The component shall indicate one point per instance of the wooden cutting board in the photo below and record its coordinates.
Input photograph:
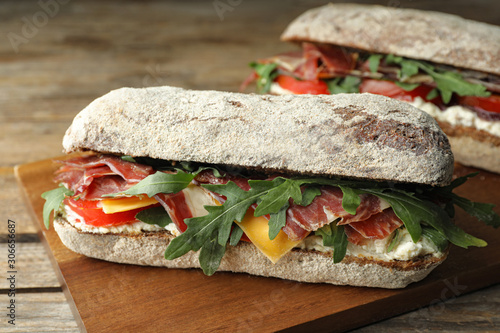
(109, 297)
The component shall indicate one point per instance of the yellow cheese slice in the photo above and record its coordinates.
(257, 230)
(110, 206)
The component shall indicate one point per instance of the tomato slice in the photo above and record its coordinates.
(491, 103)
(93, 215)
(314, 87)
(390, 89)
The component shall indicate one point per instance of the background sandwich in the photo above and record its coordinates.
(360, 193)
(443, 64)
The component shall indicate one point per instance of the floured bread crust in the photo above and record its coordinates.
(299, 265)
(349, 135)
(425, 35)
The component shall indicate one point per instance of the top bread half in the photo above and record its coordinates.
(425, 35)
(347, 135)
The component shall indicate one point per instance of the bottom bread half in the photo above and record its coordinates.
(298, 265)
(473, 148)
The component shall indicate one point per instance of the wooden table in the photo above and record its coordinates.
(57, 56)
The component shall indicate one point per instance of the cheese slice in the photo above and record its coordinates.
(257, 230)
(110, 206)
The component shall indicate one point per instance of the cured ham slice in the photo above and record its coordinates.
(104, 185)
(315, 61)
(177, 208)
(326, 208)
(377, 226)
(208, 177)
(133, 172)
(92, 176)
(329, 59)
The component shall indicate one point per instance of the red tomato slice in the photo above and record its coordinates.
(314, 87)
(390, 89)
(491, 103)
(94, 216)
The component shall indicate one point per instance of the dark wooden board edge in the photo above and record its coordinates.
(422, 293)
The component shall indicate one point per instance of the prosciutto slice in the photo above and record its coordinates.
(378, 226)
(329, 59)
(208, 177)
(92, 176)
(326, 208)
(177, 208)
(315, 61)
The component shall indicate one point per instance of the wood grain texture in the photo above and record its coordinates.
(13, 206)
(33, 266)
(275, 304)
(458, 314)
(40, 312)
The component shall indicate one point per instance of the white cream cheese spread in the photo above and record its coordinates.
(376, 249)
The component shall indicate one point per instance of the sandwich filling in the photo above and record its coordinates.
(459, 97)
(207, 207)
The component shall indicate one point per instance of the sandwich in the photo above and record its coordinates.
(443, 64)
(348, 189)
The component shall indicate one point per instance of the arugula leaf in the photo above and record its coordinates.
(350, 199)
(195, 169)
(436, 237)
(458, 182)
(211, 254)
(482, 211)
(408, 69)
(160, 182)
(407, 86)
(277, 221)
(348, 84)
(280, 191)
(374, 62)
(334, 236)
(267, 73)
(432, 94)
(154, 215)
(394, 241)
(128, 158)
(391, 59)
(236, 234)
(308, 195)
(53, 201)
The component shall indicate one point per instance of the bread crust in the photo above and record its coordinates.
(298, 265)
(426, 35)
(348, 135)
